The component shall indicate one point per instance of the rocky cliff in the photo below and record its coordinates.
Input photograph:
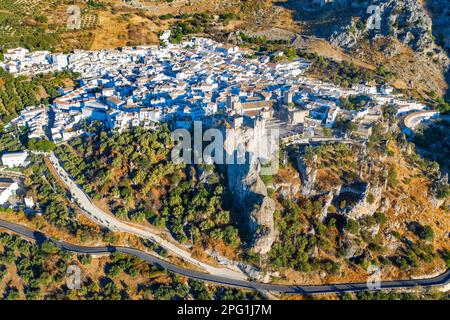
(406, 20)
(308, 176)
(412, 39)
(248, 189)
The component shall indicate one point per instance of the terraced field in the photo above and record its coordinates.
(24, 23)
(89, 21)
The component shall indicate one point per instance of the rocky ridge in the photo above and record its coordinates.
(249, 190)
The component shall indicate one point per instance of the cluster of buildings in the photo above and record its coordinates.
(20, 61)
(15, 159)
(193, 81)
(35, 118)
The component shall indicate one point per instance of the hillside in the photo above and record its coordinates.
(381, 206)
(327, 232)
(416, 56)
(130, 175)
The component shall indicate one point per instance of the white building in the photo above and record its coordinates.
(385, 89)
(15, 159)
(29, 202)
(165, 36)
(365, 89)
(228, 49)
(406, 106)
(331, 116)
(61, 61)
(12, 66)
(39, 57)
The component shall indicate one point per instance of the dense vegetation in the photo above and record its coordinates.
(296, 247)
(41, 145)
(260, 40)
(355, 102)
(197, 23)
(10, 141)
(132, 170)
(24, 24)
(306, 244)
(37, 266)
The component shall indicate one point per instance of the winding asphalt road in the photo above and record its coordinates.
(288, 289)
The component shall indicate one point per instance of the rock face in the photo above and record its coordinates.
(406, 20)
(368, 202)
(286, 190)
(439, 12)
(327, 203)
(248, 189)
(438, 183)
(423, 26)
(308, 177)
(351, 247)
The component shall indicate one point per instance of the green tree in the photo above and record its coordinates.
(352, 226)
(426, 233)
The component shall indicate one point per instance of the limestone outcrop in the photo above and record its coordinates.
(247, 187)
(406, 20)
(367, 203)
(307, 176)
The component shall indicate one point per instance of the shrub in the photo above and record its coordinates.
(352, 226)
(370, 198)
(380, 217)
(426, 233)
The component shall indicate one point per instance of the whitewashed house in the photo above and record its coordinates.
(8, 188)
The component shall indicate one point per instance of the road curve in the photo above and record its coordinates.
(442, 279)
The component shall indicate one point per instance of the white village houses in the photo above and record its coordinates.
(8, 187)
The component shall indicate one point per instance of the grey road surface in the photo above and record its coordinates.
(442, 279)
